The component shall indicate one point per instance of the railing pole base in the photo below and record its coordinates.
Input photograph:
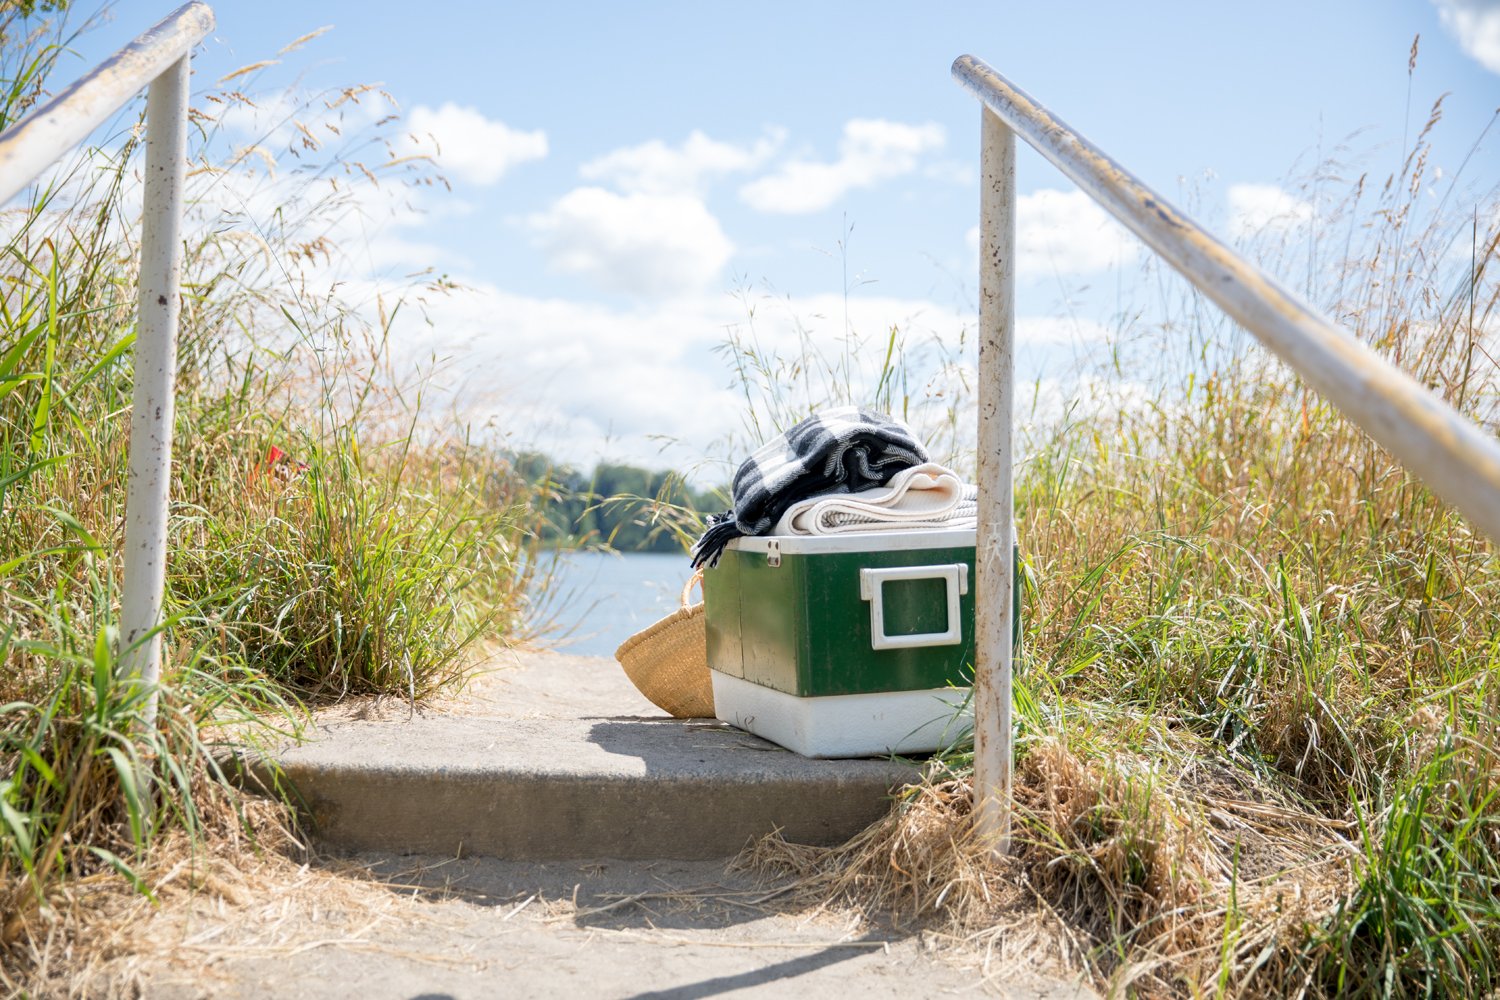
(996, 559)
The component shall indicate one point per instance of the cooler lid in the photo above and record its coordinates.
(859, 541)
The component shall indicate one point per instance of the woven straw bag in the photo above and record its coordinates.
(668, 662)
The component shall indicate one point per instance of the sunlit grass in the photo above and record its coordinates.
(375, 560)
(1256, 750)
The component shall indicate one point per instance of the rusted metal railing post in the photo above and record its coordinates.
(147, 498)
(996, 558)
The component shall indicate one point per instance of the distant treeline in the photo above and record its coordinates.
(629, 508)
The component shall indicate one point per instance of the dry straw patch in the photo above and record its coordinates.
(1256, 710)
(93, 932)
(263, 900)
(1121, 870)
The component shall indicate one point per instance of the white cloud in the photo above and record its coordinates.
(642, 244)
(469, 146)
(1476, 25)
(1041, 330)
(577, 379)
(1264, 210)
(585, 380)
(371, 228)
(268, 118)
(871, 151)
(300, 122)
(303, 166)
(240, 193)
(1080, 397)
(781, 324)
(656, 168)
(1066, 234)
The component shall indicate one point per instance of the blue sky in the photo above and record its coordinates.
(620, 171)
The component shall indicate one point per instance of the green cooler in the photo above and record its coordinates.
(848, 645)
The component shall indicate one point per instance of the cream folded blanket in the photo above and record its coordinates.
(923, 496)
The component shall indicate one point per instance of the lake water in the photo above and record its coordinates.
(597, 600)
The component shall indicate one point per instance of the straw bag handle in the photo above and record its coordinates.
(687, 588)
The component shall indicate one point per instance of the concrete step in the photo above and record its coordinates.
(554, 757)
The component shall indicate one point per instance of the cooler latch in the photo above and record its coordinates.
(773, 553)
(955, 577)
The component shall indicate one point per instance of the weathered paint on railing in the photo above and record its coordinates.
(149, 492)
(158, 59)
(35, 143)
(995, 556)
(1456, 458)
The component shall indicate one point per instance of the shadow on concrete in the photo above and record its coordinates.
(701, 789)
(678, 745)
(608, 894)
(780, 972)
(698, 746)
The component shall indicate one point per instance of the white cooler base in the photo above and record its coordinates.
(846, 725)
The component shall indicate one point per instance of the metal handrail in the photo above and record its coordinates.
(35, 143)
(1459, 460)
(157, 59)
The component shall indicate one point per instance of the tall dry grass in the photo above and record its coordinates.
(372, 559)
(1256, 750)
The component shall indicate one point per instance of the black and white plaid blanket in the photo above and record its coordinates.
(842, 450)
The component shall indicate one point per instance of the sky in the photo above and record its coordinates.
(631, 182)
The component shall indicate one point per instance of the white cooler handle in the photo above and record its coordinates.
(955, 577)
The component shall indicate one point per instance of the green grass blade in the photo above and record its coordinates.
(127, 772)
